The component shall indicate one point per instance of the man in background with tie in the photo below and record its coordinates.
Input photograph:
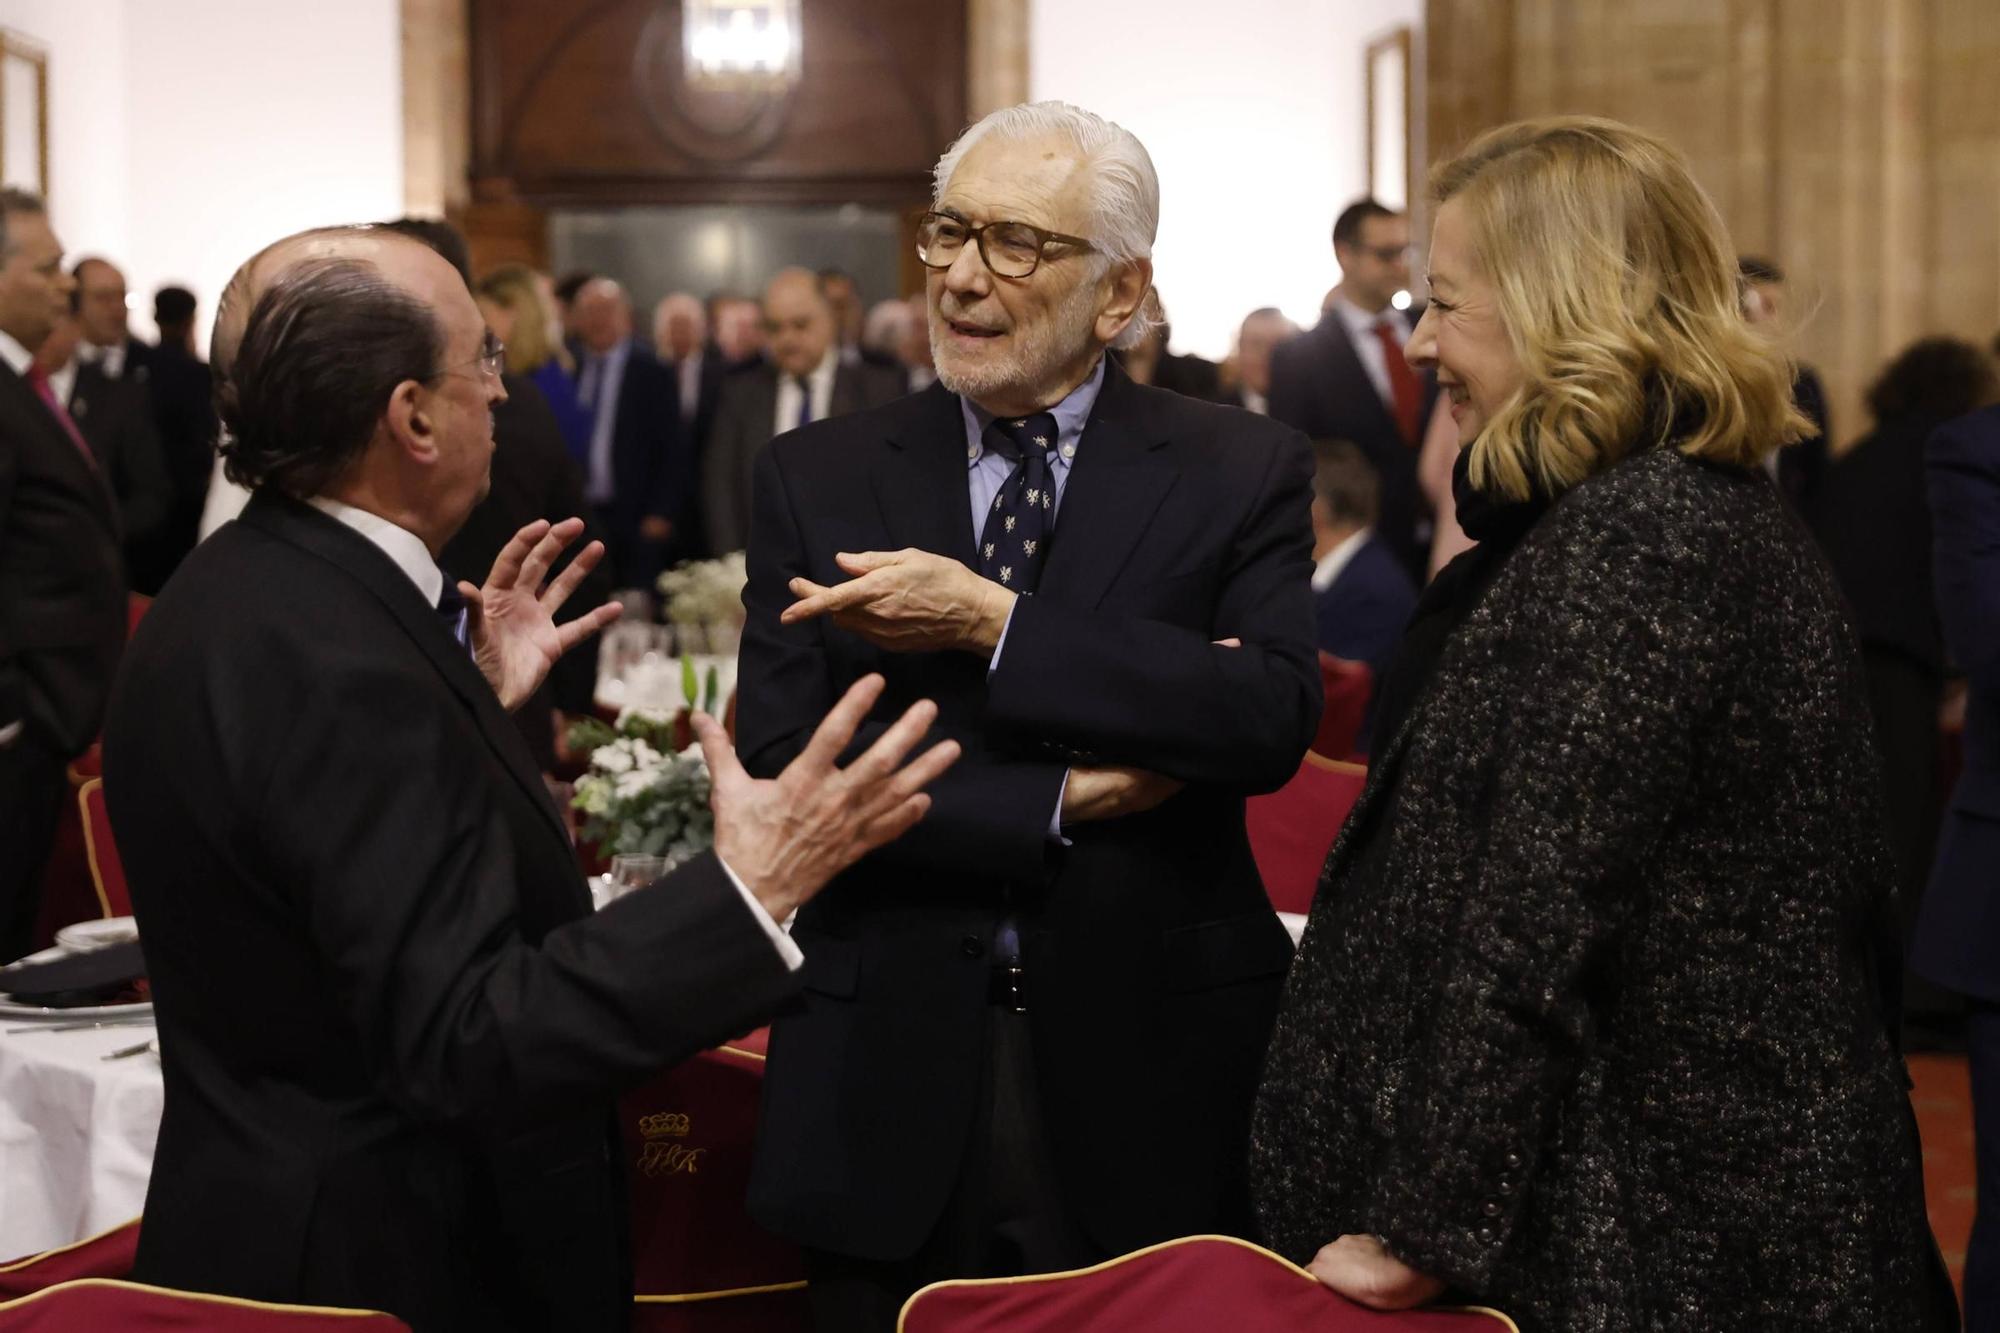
(801, 380)
(1346, 379)
(639, 467)
(1031, 1033)
(62, 582)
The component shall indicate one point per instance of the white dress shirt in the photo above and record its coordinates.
(1333, 562)
(110, 360)
(689, 370)
(17, 357)
(1368, 343)
(819, 383)
(1256, 402)
(411, 556)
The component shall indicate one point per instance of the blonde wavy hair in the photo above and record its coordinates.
(1617, 284)
(528, 346)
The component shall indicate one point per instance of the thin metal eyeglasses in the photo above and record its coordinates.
(1010, 249)
(491, 360)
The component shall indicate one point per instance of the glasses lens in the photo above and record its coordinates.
(1013, 249)
(939, 240)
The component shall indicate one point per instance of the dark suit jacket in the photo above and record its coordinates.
(392, 1026)
(534, 477)
(183, 397)
(1872, 518)
(1362, 615)
(743, 419)
(651, 469)
(1152, 950)
(62, 583)
(1319, 386)
(116, 418)
(1957, 940)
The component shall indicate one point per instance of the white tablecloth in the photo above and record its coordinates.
(76, 1134)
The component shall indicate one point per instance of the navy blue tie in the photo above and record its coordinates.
(451, 610)
(805, 402)
(1013, 545)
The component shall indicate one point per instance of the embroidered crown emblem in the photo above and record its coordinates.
(663, 1125)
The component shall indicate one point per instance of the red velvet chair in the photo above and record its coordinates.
(107, 872)
(700, 1265)
(1292, 828)
(1349, 686)
(107, 1254)
(102, 1305)
(1194, 1285)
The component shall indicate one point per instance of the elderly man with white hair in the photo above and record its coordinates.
(1031, 1031)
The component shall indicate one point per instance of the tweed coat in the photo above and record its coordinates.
(1588, 1019)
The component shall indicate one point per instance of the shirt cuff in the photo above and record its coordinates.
(780, 941)
(993, 663)
(1055, 820)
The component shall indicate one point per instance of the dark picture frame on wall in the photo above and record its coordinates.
(1390, 98)
(24, 113)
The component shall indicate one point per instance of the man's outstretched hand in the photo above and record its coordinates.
(512, 620)
(785, 837)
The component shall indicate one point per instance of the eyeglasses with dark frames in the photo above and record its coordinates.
(1010, 249)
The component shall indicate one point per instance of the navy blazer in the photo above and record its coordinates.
(1362, 614)
(1958, 928)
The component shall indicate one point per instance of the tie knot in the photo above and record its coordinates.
(1023, 437)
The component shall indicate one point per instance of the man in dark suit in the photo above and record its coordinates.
(184, 419)
(62, 585)
(391, 1025)
(1346, 379)
(116, 418)
(639, 470)
(802, 380)
(1030, 1036)
(108, 343)
(1957, 944)
(1362, 595)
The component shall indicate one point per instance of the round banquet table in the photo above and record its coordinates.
(76, 1133)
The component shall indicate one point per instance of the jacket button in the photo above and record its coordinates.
(1490, 1208)
(971, 947)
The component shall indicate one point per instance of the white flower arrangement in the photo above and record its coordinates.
(706, 592)
(641, 795)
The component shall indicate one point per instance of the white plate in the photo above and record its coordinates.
(87, 935)
(12, 1010)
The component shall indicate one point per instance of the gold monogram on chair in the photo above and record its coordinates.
(663, 1152)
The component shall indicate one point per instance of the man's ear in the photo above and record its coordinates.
(1129, 285)
(411, 424)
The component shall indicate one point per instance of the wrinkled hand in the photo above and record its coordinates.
(787, 836)
(908, 601)
(1359, 1268)
(1109, 792)
(515, 638)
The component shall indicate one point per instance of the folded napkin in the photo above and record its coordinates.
(98, 976)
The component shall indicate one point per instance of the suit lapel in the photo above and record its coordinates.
(1121, 474)
(359, 559)
(91, 479)
(920, 481)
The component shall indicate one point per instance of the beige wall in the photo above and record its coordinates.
(1857, 142)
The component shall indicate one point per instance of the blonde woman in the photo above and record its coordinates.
(511, 299)
(1593, 1018)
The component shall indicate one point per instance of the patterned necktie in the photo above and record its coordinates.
(1403, 388)
(39, 381)
(452, 611)
(1014, 543)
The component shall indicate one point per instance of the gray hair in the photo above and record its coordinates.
(1124, 188)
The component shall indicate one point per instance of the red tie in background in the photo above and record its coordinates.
(40, 381)
(1403, 386)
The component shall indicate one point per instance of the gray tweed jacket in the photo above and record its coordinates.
(1588, 1018)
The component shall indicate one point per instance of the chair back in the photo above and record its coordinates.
(699, 1263)
(103, 1305)
(1349, 686)
(107, 872)
(1292, 828)
(107, 1254)
(1194, 1285)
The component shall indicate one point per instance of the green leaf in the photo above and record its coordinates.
(714, 687)
(586, 734)
(690, 688)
